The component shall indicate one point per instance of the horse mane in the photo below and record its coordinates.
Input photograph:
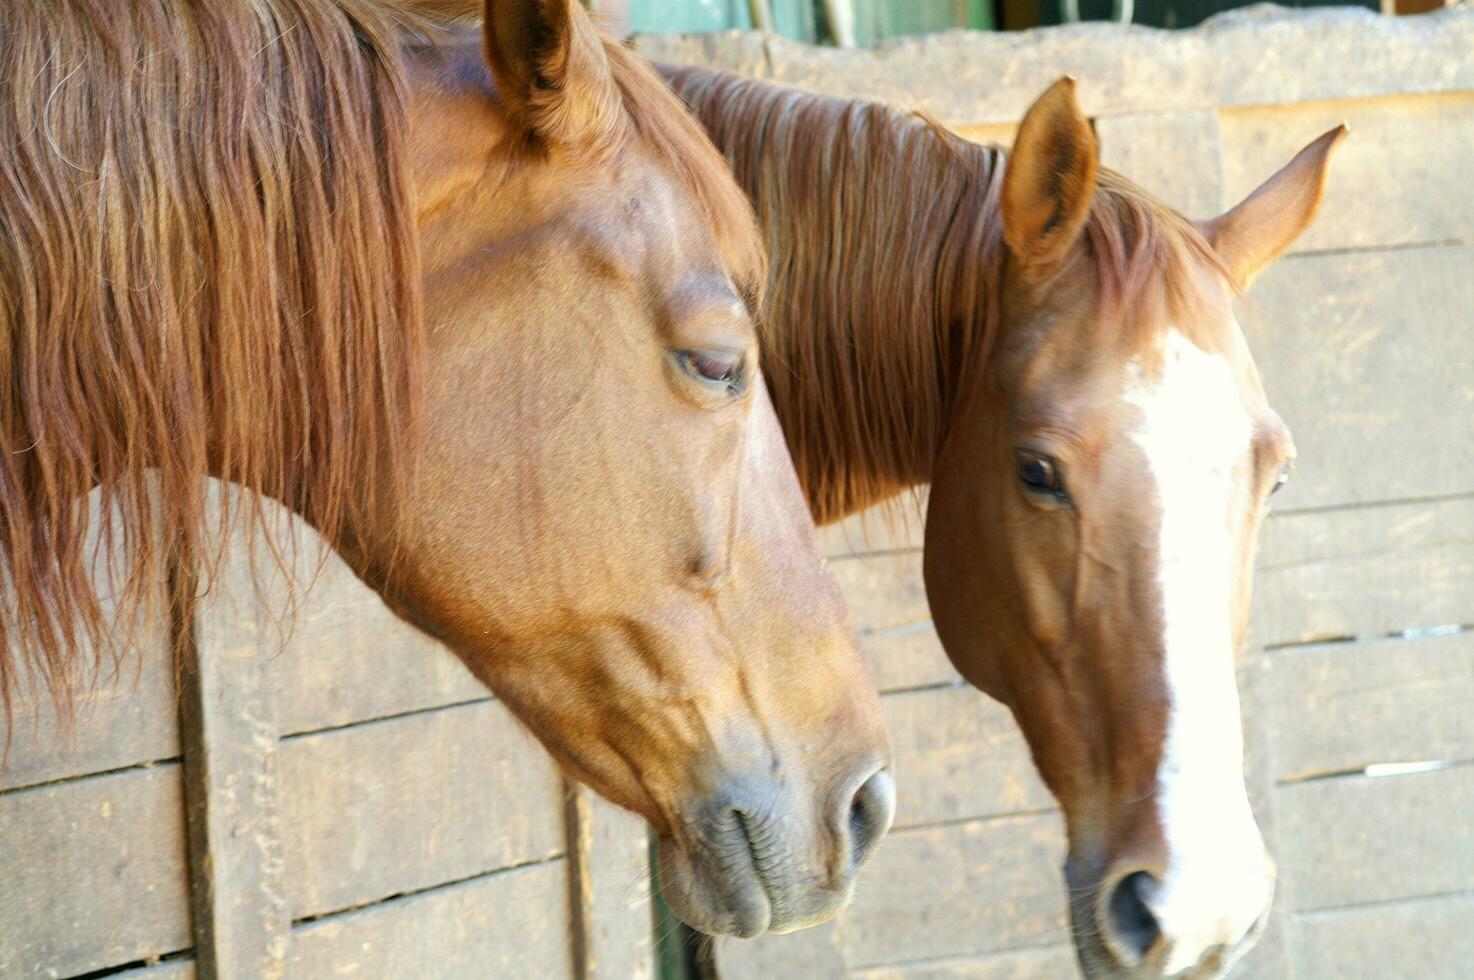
(885, 237)
(206, 266)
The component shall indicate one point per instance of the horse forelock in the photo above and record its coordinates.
(207, 266)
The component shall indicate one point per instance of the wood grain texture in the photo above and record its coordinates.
(609, 877)
(1428, 938)
(94, 873)
(908, 656)
(1048, 963)
(1173, 155)
(181, 969)
(349, 659)
(1353, 840)
(1345, 706)
(959, 755)
(508, 924)
(965, 889)
(408, 803)
(128, 717)
(1367, 358)
(228, 727)
(884, 590)
(1367, 572)
(1387, 183)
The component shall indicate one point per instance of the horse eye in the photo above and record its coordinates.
(714, 367)
(1039, 474)
(1282, 478)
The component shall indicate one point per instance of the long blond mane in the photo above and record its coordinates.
(886, 250)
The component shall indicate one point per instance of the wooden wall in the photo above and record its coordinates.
(1362, 658)
(358, 805)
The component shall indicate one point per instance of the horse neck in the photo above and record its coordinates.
(884, 237)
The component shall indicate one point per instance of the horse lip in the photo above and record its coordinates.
(760, 878)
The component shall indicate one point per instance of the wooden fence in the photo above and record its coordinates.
(351, 803)
(358, 806)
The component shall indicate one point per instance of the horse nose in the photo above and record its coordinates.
(1153, 928)
(1130, 928)
(868, 816)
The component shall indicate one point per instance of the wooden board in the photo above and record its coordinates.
(898, 525)
(883, 590)
(128, 717)
(609, 864)
(1391, 183)
(1173, 155)
(1048, 963)
(407, 803)
(1341, 706)
(1368, 572)
(345, 658)
(181, 969)
(1353, 840)
(228, 726)
(906, 657)
(94, 873)
(1367, 358)
(959, 755)
(125, 715)
(965, 889)
(1428, 938)
(508, 924)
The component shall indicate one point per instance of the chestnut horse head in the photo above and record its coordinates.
(476, 303)
(1108, 472)
(1056, 354)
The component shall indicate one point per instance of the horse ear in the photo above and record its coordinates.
(1265, 223)
(550, 68)
(1050, 178)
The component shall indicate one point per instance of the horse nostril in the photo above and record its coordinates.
(871, 810)
(1130, 923)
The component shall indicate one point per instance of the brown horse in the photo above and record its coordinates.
(483, 320)
(1056, 354)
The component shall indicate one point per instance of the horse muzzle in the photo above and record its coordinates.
(754, 858)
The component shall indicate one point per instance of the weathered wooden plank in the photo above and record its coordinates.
(180, 969)
(1048, 963)
(907, 656)
(1365, 572)
(1427, 938)
(94, 873)
(1354, 840)
(884, 590)
(959, 755)
(1392, 182)
(609, 868)
(959, 890)
(1367, 358)
(125, 712)
(895, 526)
(1345, 706)
(813, 954)
(347, 658)
(1174, 155)
(129, 716)
(407, 803)
(508, 924)
(228, 727)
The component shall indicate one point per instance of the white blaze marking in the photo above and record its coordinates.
(1196, 432)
